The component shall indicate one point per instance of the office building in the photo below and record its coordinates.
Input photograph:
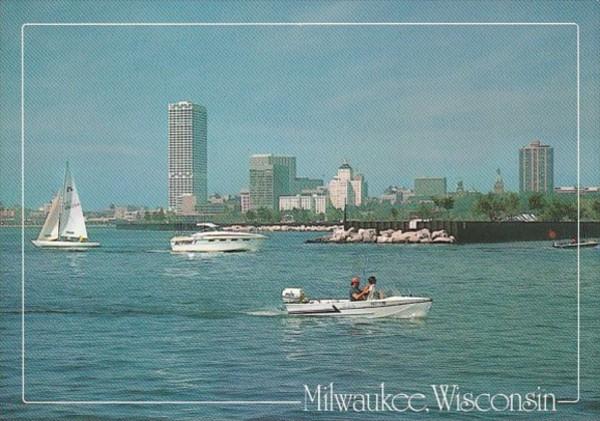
(187, 153)
(392, 194)
(244, 201)
(271, 176)
(302, 184)
(536, 168)
(316, 203)
(428, 187)
(187, 204)
(346, 188)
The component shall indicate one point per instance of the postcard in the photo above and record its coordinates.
(280, 210)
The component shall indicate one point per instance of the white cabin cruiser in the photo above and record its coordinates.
(213, 240)
(396, 306)
(64, 227)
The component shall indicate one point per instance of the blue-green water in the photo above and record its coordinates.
(131, 321)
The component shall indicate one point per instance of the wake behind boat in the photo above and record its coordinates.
(213, 240)
(396, 306)
(64, 227)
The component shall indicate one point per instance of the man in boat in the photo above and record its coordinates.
(356, 294)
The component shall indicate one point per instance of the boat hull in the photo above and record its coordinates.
(216, 247)
(575, 245)
(65, 245)
(216, 242)
(400, 307)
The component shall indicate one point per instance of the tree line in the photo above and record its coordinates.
(471, 206)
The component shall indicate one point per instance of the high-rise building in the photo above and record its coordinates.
(536, 168)
(244, 201)
(187, 153)
(428, 187)
(271, 176)
(359, 188)
(346, 188)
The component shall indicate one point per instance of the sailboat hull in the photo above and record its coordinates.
(65, 245)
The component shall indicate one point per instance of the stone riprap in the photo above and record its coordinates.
(422, 236)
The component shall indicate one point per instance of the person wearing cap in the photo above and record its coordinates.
(356, 294)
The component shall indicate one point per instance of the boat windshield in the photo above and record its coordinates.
(207, 226)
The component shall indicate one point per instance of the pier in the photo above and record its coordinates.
(464, 231)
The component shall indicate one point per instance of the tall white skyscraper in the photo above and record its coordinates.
(187, 153)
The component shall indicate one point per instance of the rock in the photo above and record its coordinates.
(354, 238)
(439, 233)
(404, 237)
(339, 235)
(368, 235)
(413, 237)
(423, 234)
(352, 235)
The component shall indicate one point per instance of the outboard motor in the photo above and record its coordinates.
(293, 295)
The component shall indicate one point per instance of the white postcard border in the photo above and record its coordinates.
(256, 24)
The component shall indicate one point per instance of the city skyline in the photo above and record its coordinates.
(270, 169)
(279, 188)
(400, 103)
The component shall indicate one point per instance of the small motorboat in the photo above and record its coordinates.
(570, 244)
(297, 304)
(213, 240)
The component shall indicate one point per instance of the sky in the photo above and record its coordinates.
(395, 102)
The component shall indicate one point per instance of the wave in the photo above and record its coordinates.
(128, 311)
(266, 313)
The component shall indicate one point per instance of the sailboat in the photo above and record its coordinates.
(64, 227)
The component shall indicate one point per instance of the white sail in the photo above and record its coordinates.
(72, 223)
(49, 231)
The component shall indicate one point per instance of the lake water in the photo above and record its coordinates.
(132, 322)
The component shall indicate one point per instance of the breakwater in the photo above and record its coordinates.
(463, 231)
(488, 232)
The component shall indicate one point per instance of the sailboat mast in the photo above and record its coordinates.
(61, 198)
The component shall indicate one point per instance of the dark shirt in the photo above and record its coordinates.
(354, 290)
